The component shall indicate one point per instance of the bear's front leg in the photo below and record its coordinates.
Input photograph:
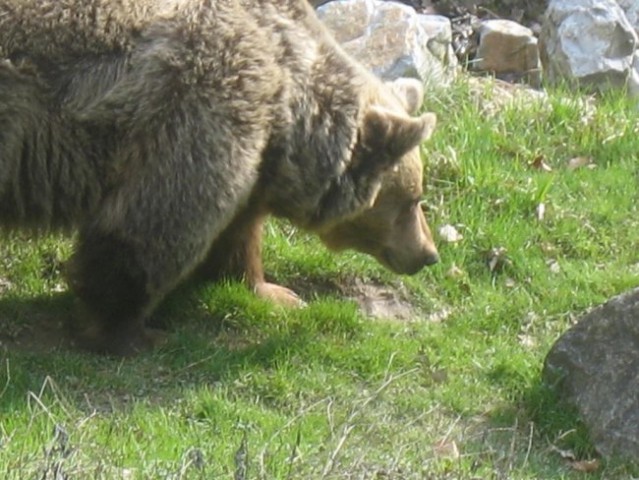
(237, 255)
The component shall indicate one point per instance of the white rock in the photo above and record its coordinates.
(587, 41)
(439, 34)
(631, 9)
(391, 39)
(633, 80)
(449, 234)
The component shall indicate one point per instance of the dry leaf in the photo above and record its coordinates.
(540, 211)
(5, 284)
(446, 448)
(586, 466)
(526, 340)
(449, 234)
(439, 316)
(455, 272)
(539, 164)
(578, 162)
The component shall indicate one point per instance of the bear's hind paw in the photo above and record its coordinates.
(121, 344)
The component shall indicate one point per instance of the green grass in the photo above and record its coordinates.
(244, 390)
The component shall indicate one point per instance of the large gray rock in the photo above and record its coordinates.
(595, 366)
(590, 42)
(392, 40)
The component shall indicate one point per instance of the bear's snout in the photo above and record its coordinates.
(399, 261)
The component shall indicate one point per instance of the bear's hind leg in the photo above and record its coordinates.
(112, 288)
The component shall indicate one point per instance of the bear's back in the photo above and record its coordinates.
(71, 28)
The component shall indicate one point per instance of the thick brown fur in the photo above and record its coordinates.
(165, 131)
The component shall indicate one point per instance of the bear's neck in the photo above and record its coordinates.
(317, 124)
(302, 161)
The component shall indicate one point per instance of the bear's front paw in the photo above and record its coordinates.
(281, 296)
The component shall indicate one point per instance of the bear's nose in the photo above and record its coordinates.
(431, 259)
(425, 261)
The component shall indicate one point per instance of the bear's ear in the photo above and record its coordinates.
(391, 136)
(410, 91)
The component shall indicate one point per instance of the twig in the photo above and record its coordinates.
(241, 459)
(294, 419)
(293, 456)
(194, 364)
(530, 440)
(348, 424)
(6, 385)
(513, 442)
(331, 461)
(450, 429)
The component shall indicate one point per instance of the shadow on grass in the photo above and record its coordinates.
(535, 432)
(556, 421)
(538, 420)
(205, 345)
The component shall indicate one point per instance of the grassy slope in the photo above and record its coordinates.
(326, 393)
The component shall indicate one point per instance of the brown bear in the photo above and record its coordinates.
(393, 230)
(166, 130)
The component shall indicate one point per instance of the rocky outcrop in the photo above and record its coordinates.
(595, 366)
(586, 43)
(392, 39)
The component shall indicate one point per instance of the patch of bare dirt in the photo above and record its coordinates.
(375, 299)
(381, 301)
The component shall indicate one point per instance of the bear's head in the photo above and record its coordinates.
(392, 227)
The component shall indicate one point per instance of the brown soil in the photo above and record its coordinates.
(375, 299)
